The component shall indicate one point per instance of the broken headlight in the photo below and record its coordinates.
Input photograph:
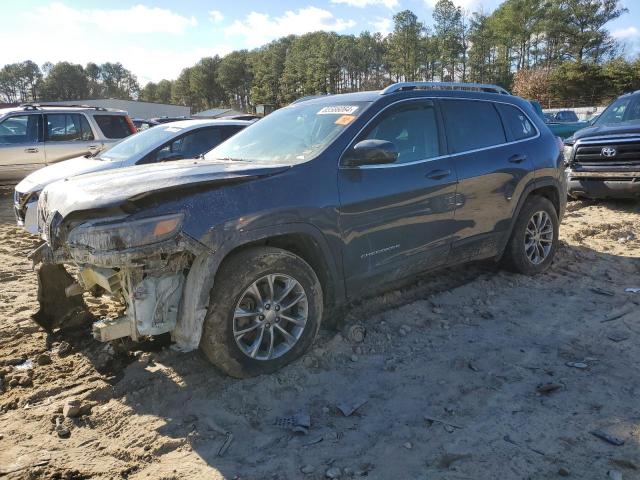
(124, 235)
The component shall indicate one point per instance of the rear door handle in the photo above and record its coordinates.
(517, 159)
(31, 150)
(438, 174)
(93, 147)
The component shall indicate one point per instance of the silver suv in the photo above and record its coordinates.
(33, 135)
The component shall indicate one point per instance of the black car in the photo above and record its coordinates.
(604, 158)
(246, 251)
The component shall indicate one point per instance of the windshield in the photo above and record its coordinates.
(294, 134)
(141, 143)
(626, 109)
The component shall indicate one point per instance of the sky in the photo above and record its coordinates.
(156, 39)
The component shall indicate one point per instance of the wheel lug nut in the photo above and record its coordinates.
(261, 317)
(277, 319)
(277, 308)
(267, 306)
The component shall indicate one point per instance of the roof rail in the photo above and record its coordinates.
(29, 106)
(36, 106)
(478, 87)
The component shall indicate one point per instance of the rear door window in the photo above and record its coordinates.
(471, 125)
(516, 122)
(113, 126)
(67, 127)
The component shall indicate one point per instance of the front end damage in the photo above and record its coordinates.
(143, 264)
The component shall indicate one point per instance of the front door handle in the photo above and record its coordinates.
(517, 159)
(93, 147)
(31, 150)
(438, 174)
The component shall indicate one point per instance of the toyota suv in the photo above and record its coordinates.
(604, 158)
(33, 135)
(244, 252)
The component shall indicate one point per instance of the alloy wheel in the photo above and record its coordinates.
(270, 317)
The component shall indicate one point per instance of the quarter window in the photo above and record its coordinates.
(63, 127)
(516, 122)
(413, 130)
(113, 126)
(471, 125)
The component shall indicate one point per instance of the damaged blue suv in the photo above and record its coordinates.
(243, 252)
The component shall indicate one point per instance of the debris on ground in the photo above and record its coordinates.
(564, 472)
(61, 429)
(298, 423)
(578, 365)
(27, 365)
(449, 459)
(348, 408)
(430, 420)
(624, 463)
(621, 312)
(71, 408)
(333, 472)
(356, 333)
(618, 336)
(546, 388)
(607, 437)
(632, 290)
(602, 291)
(43, 359)
(614, 475)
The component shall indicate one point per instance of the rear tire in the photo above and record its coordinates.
(274, 297)
(534, 239)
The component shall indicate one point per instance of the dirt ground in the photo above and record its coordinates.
(445, 382)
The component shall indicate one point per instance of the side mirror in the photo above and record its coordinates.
(371, 152)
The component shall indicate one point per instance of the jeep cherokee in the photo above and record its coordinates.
(245, 251)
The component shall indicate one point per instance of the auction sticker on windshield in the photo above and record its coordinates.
(338, 110)
(345, 120)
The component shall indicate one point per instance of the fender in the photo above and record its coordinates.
(200, 280)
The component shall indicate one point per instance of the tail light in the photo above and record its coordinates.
(132, 127)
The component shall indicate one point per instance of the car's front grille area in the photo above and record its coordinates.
(621, 153)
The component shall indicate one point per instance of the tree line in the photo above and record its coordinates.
(555, 51)
(27, 82)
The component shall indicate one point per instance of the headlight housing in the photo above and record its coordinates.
(567, 152)
(125, 235)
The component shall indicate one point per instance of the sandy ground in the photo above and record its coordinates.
(445, 381)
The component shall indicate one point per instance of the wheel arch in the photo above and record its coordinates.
(301, 239)
(549, 188)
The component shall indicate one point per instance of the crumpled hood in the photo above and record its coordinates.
(42, 177)
(613, 129)
(112, 187)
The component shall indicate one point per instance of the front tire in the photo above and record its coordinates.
(265, 311)
(534, 239)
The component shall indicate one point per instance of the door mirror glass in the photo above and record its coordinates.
(371, 152)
